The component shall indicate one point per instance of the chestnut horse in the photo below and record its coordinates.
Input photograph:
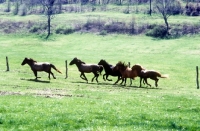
(109, 70)
(125, 71)
(40, 66)
(87, 68)
(144, 74)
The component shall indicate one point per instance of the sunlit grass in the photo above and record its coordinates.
(72, 104)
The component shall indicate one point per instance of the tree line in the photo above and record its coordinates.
(51, 7)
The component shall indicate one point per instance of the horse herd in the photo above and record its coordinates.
(120, 70)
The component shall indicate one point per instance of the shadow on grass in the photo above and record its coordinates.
(34, 80)
(84, 82)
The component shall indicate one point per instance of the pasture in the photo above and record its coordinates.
(72, 104)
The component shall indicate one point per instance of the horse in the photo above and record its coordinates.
(87, 68)
(144, 74)
(40, 66)
(109, 70)
(125, 71)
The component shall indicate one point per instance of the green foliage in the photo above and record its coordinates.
(158, 31)
(22, 10)
(103, 32)
(64, 30)
(16, 8)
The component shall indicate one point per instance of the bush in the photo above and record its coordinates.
(34, 29)
(103, 32)
(22, 10)
(64, 30)
(158, 31)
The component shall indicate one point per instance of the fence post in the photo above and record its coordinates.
(7, 64)
(197, 79)
(129, 65)
(66, 69)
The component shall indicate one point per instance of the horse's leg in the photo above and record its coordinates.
(122, 81)
(155, 79)
(156, 82)
(52, 75)
(118, 80)
(141, 81)
(131, 81)
(107, 78)
(97, 75)
(104, 77)
(145, 79)
(84, 77)
(35, 73)
(125, 82)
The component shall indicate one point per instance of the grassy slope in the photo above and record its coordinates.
(71, 104)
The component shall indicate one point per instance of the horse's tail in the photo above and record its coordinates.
(162, 76)
(55, 68)
(100, 69)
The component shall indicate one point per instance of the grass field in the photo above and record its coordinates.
(72, 104)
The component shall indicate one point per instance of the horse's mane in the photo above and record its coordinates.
(82, 62)
(105, 62)
(122, 65)
(32, 60)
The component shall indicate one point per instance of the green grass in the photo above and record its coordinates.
(72, 104)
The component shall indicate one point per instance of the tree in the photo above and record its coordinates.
(48, 4)
(150, 10)
(166, 8)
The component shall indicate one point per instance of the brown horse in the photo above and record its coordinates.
(87, 68)
(125, 71)
(40, 66)
(144, 74)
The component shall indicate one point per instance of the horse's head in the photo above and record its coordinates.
(24, 61)
(138, 68)
(73, 61)
(28, 61)
(101, 62)
(76, 61)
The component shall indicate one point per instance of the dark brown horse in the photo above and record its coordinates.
(40, 66)
(144, 74)
(125, 71)
(87, 68)
(109, 70)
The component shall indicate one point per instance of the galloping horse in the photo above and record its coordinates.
(125, 71)
(109, 70)
(40, 66)
(144, 74)
(87, 68)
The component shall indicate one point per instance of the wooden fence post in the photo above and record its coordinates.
(7, 64)
(197, 79)
(66, 69)
(129, 65)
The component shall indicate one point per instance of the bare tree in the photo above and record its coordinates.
(150, 10)
(48, 4)
(166, 8)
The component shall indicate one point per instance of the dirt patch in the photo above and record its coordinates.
(3, 93)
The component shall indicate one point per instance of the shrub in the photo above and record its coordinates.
(22, 10)
(103, 32)
(16, 9)
(158, 31)
(34, 29)
(64, 30)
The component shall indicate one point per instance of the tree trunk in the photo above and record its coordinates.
(167, 24)
(48, 26)
(150, 8)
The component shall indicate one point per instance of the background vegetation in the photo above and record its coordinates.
(94, 30)
(124, 17)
